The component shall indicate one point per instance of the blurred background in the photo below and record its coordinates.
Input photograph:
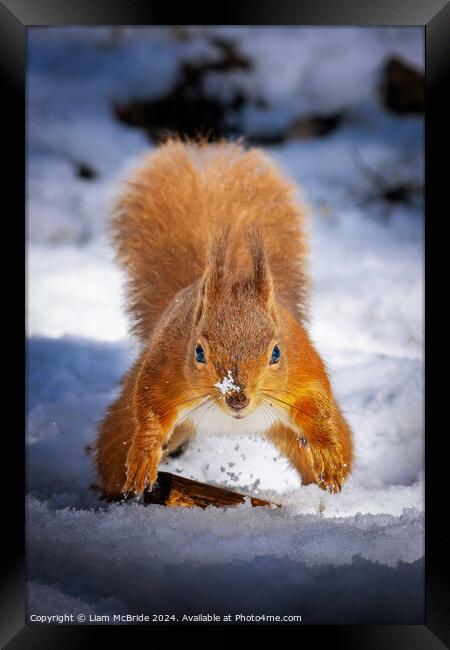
(97, 96)
(341, 112)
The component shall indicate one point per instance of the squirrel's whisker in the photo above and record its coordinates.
(295, 407)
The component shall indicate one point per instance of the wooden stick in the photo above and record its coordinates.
(172, 490)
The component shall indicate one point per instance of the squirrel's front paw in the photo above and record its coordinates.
(142, 470)
(329, 468)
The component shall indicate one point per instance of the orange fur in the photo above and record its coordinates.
(213, 243)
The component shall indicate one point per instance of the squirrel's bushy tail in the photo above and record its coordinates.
(171, 206)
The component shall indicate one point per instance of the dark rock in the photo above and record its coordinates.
(402, 87)
(85, 171)
(314, 126)
(187, 109)
(308, 126)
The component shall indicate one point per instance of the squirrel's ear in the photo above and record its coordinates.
(215, 268)
(261, 271)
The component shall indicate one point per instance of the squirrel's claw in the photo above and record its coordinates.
(141, 473)
(328, 468)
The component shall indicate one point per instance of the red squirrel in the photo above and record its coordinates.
(213, 243)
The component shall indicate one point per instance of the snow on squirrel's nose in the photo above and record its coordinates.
(227, 385)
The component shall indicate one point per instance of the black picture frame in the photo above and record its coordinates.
(434, 16)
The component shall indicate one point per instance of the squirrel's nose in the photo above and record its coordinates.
(237, 400)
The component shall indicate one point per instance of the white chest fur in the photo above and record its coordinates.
(211, 420)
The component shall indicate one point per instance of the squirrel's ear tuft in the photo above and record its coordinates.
(212, 283)
(215, 268)
(261, 271)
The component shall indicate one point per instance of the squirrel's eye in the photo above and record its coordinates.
(200, 354)
(275, 355)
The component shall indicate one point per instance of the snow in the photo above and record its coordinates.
(227, 384)
(351, 557)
